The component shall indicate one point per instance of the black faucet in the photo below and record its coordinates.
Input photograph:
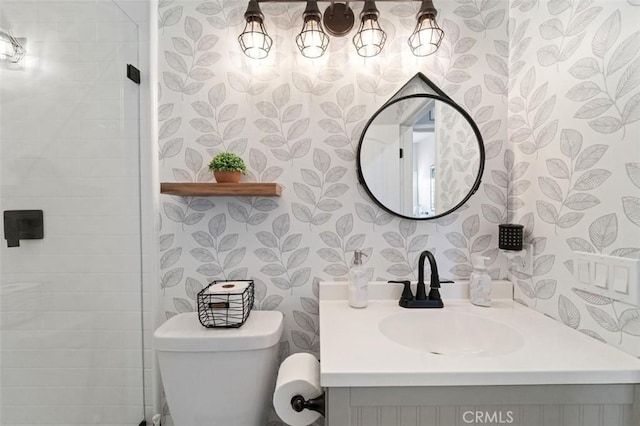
(422, 300)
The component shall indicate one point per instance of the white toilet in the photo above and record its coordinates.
(219, 376)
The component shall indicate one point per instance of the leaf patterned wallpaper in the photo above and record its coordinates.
(553, 87)
(574, 120)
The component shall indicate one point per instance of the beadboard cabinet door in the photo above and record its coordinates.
(535, 405)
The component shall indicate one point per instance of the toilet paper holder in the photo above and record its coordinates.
(298, 403)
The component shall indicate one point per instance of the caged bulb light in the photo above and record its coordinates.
(427, 36)
(254, 40)
(370, 38)
(312, 40)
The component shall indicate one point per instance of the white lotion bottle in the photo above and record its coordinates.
(358, 286)
(480, 285)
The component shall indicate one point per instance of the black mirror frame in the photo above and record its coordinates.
(440, 96)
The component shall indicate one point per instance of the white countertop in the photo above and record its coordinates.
(354, 352)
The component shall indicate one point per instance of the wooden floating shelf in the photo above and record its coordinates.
(221, 189)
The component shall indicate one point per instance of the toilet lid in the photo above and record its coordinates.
(184, 333)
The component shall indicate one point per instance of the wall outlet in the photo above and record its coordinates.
(526, 261)
(522, 260)
(609, 276)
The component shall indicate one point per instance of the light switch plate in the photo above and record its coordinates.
(621, 279)
(600, 275)
(583, 270)
(609, 276)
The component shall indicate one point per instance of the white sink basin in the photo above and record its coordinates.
(450, 333)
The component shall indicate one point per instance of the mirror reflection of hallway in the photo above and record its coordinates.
(420, 156)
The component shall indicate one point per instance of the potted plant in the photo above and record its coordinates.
(227, 167)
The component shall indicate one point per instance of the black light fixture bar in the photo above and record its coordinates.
(338, 20)
(334, 1)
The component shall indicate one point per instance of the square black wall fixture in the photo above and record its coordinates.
(22, 225)
(510, 236)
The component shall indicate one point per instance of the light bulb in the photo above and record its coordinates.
(427, 36)
(312, 40)
(370, 38)
(254, 40)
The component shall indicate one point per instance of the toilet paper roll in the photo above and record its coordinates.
(299, 374)
(229, 287)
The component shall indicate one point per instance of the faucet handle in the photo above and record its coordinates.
(434, 294)
(406, 292)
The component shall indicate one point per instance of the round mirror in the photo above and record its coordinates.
(420, 156)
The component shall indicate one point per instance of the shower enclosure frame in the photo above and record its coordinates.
(146, 186)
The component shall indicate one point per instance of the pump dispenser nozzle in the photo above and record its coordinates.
(357, 257)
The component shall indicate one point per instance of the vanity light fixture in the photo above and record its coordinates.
(254, 40)
(427, 36)
(312, 40)
(338, 20)
(370, 38)
(11, 49)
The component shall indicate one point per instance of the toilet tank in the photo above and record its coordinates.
(219, 376)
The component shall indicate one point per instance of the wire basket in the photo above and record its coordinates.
(225, 304)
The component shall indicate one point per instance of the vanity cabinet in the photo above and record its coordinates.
(530, 405)
(466, 365)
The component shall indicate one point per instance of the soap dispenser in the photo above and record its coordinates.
(358, 286)
(480, 285)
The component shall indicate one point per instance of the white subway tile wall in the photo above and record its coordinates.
(70, 304)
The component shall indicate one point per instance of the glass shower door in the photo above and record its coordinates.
(70, 303)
